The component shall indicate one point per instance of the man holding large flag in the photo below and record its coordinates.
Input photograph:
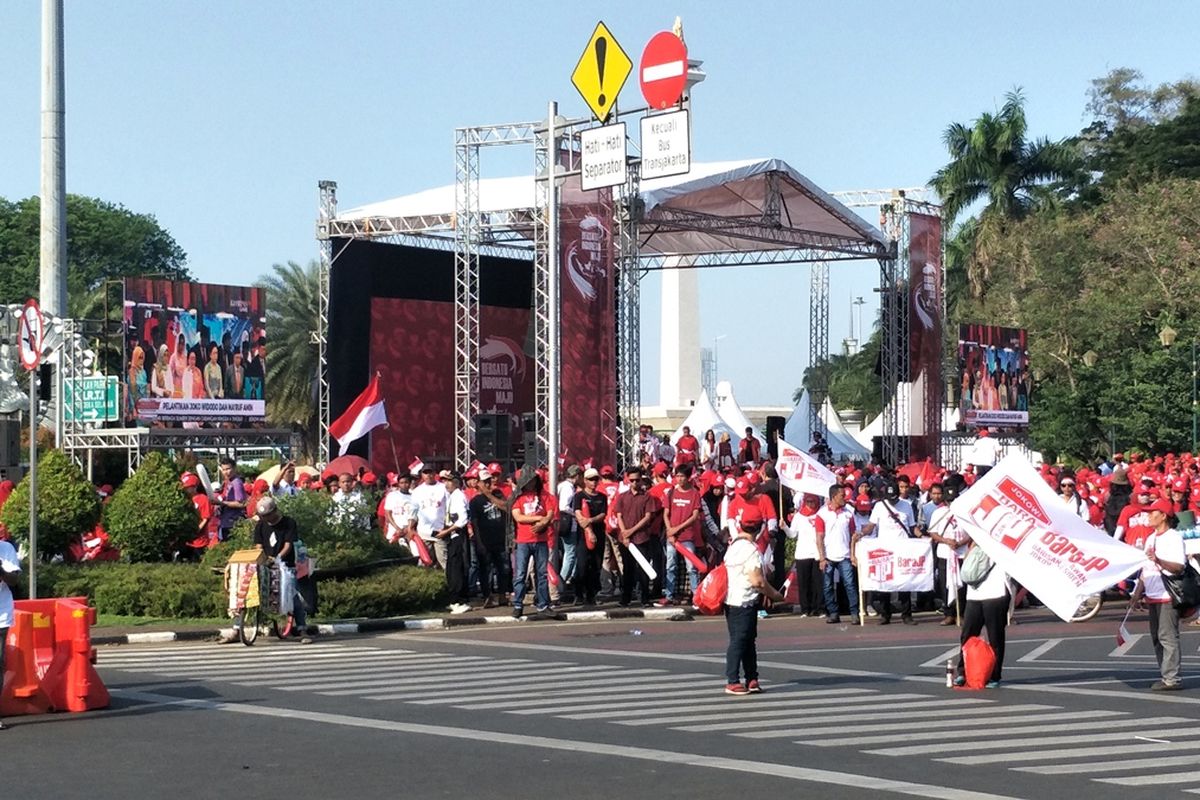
(366, 413)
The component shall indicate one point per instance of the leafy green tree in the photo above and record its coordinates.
(292, 311)
(104, 240)
(853, 381)
(150, 516)
(1122, 99)
(68, 505)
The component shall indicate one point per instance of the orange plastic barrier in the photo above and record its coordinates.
(23, 692)
(50, 659)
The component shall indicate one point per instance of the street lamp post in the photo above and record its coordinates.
(1167, 336)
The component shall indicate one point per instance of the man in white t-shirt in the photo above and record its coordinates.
(10, 568)
(891, 518)
(430, 499)
(400, 510)
(809, 583)
(950, 549)
(835, 527)
(743, 564)
(1165, 555)
(984, 454)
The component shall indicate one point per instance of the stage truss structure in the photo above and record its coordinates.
(531, 233)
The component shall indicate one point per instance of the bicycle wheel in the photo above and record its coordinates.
(1089, 608)
(282, 626)
(252, 620)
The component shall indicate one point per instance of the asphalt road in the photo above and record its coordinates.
(595, 710)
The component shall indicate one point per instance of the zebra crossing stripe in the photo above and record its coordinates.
(967, 747)
(1024, 717)
(808, 705)
(609, 710)
(1072, 752)
(505, 686)
(996, 727)
(1103, 766)
(335, 681)
(647, 690)
(1154, 780)
(834, 721)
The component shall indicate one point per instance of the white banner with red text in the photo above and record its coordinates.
(894, 565)
(1026, 530)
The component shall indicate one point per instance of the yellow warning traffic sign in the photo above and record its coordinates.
(601, 72)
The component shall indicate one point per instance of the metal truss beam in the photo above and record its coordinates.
(751, 228)
(326, 213)
(545, 194)
(818, 353)
(466, 294)
(786, 255)
(220, 438)
(863, 198)
(629, 317)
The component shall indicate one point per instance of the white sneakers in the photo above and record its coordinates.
(459, 608)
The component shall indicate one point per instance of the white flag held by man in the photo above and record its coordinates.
(1027, 532)
(800, 472)
(894, 565)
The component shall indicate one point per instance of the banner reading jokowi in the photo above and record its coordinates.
(1030, 534)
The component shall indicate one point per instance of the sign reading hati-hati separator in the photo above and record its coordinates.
(666, 145)
(602, 162)
(94, 399)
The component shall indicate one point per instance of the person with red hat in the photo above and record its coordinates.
(984, 455)
(1133, 525)
(1165, 556)
(747, 586)
(206, 528)
(835, 527)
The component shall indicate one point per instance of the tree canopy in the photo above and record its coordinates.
(104, 241)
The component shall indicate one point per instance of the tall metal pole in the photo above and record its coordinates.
(33, 488)
(52, 293)
(1194, 409)
(553, 285)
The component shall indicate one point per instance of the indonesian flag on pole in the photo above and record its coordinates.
(800, 472)
(1030, 534)
(364, 415)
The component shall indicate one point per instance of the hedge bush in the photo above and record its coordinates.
(150, 517)
(67, 504)
(390, 592)
(139, 590)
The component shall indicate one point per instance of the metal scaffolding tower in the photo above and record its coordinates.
(326, 212)
(818, 337)
(467, 237)
(629, 316)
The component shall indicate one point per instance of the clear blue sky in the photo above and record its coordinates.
(219, 117)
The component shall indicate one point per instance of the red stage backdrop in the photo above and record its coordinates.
(413, 351)
(588, 389)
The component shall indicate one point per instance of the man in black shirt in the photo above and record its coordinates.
(275, 534)
(488, 513)
(590, 508)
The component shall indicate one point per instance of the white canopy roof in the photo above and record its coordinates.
(732, 414)
(875, 427)
(703, 418)
(717, 207)
(798, 431)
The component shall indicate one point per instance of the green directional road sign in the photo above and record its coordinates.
(98, 400)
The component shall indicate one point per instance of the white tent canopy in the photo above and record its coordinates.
(704, 418)
(676, 210)
(732, 414)
(875, 427)
(797, 431)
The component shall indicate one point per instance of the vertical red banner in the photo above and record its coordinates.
(587, 388)
(925, 331)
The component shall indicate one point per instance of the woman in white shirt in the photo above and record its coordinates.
(746, 583)
(708, 450)
(987, 607)
(809, 581)
(1164, 556)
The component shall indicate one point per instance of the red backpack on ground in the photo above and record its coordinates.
(978, 662)
(710, 595)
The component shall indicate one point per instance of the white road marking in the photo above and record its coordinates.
(1161, 779)
(1130, 643)
(1037, 741)
(810, 705)
(837, 721)
(841, 780)
(532, 690)
(1103, 766)
(940, 660)
(1024, 717)
(608, 710)
(512, 685)
(996, 728)
(1071, 752)
(1040, 650)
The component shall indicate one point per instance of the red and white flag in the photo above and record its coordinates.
(800, 472)
(1123, 634)
(364, 415)
(416, 466)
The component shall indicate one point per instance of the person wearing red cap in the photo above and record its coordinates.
(747, 585)
(803, 529)
(1179, 495)
(1165, 555)
(206, 528)
(835, 527)
(984, 455)
(1133, 525)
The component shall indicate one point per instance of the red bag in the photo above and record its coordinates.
(710, 596)
(978, 662)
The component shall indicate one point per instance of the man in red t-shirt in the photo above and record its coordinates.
(534, 512)
(1133, 526)
(637, 519)
(206, 529)
(687, 449)
(681, 524)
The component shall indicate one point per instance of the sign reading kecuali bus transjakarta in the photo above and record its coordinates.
(601, 72)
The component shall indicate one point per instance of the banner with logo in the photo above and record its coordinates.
(1024, 528)
(894, 565)
(800, 472)
(588, 385)
(925, 331)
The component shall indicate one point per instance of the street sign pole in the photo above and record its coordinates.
(33, 491)
(552, 286)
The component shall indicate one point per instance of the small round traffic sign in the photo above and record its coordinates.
(30, 335)
(663, 71)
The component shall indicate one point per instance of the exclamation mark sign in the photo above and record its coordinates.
(601, 52)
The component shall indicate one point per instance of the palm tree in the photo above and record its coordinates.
(994, 160)
(292, 313)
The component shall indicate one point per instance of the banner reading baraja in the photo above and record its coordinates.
(1024, 528)
(894, 565)
(800, 472)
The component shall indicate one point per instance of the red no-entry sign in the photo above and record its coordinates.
(663, 71)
